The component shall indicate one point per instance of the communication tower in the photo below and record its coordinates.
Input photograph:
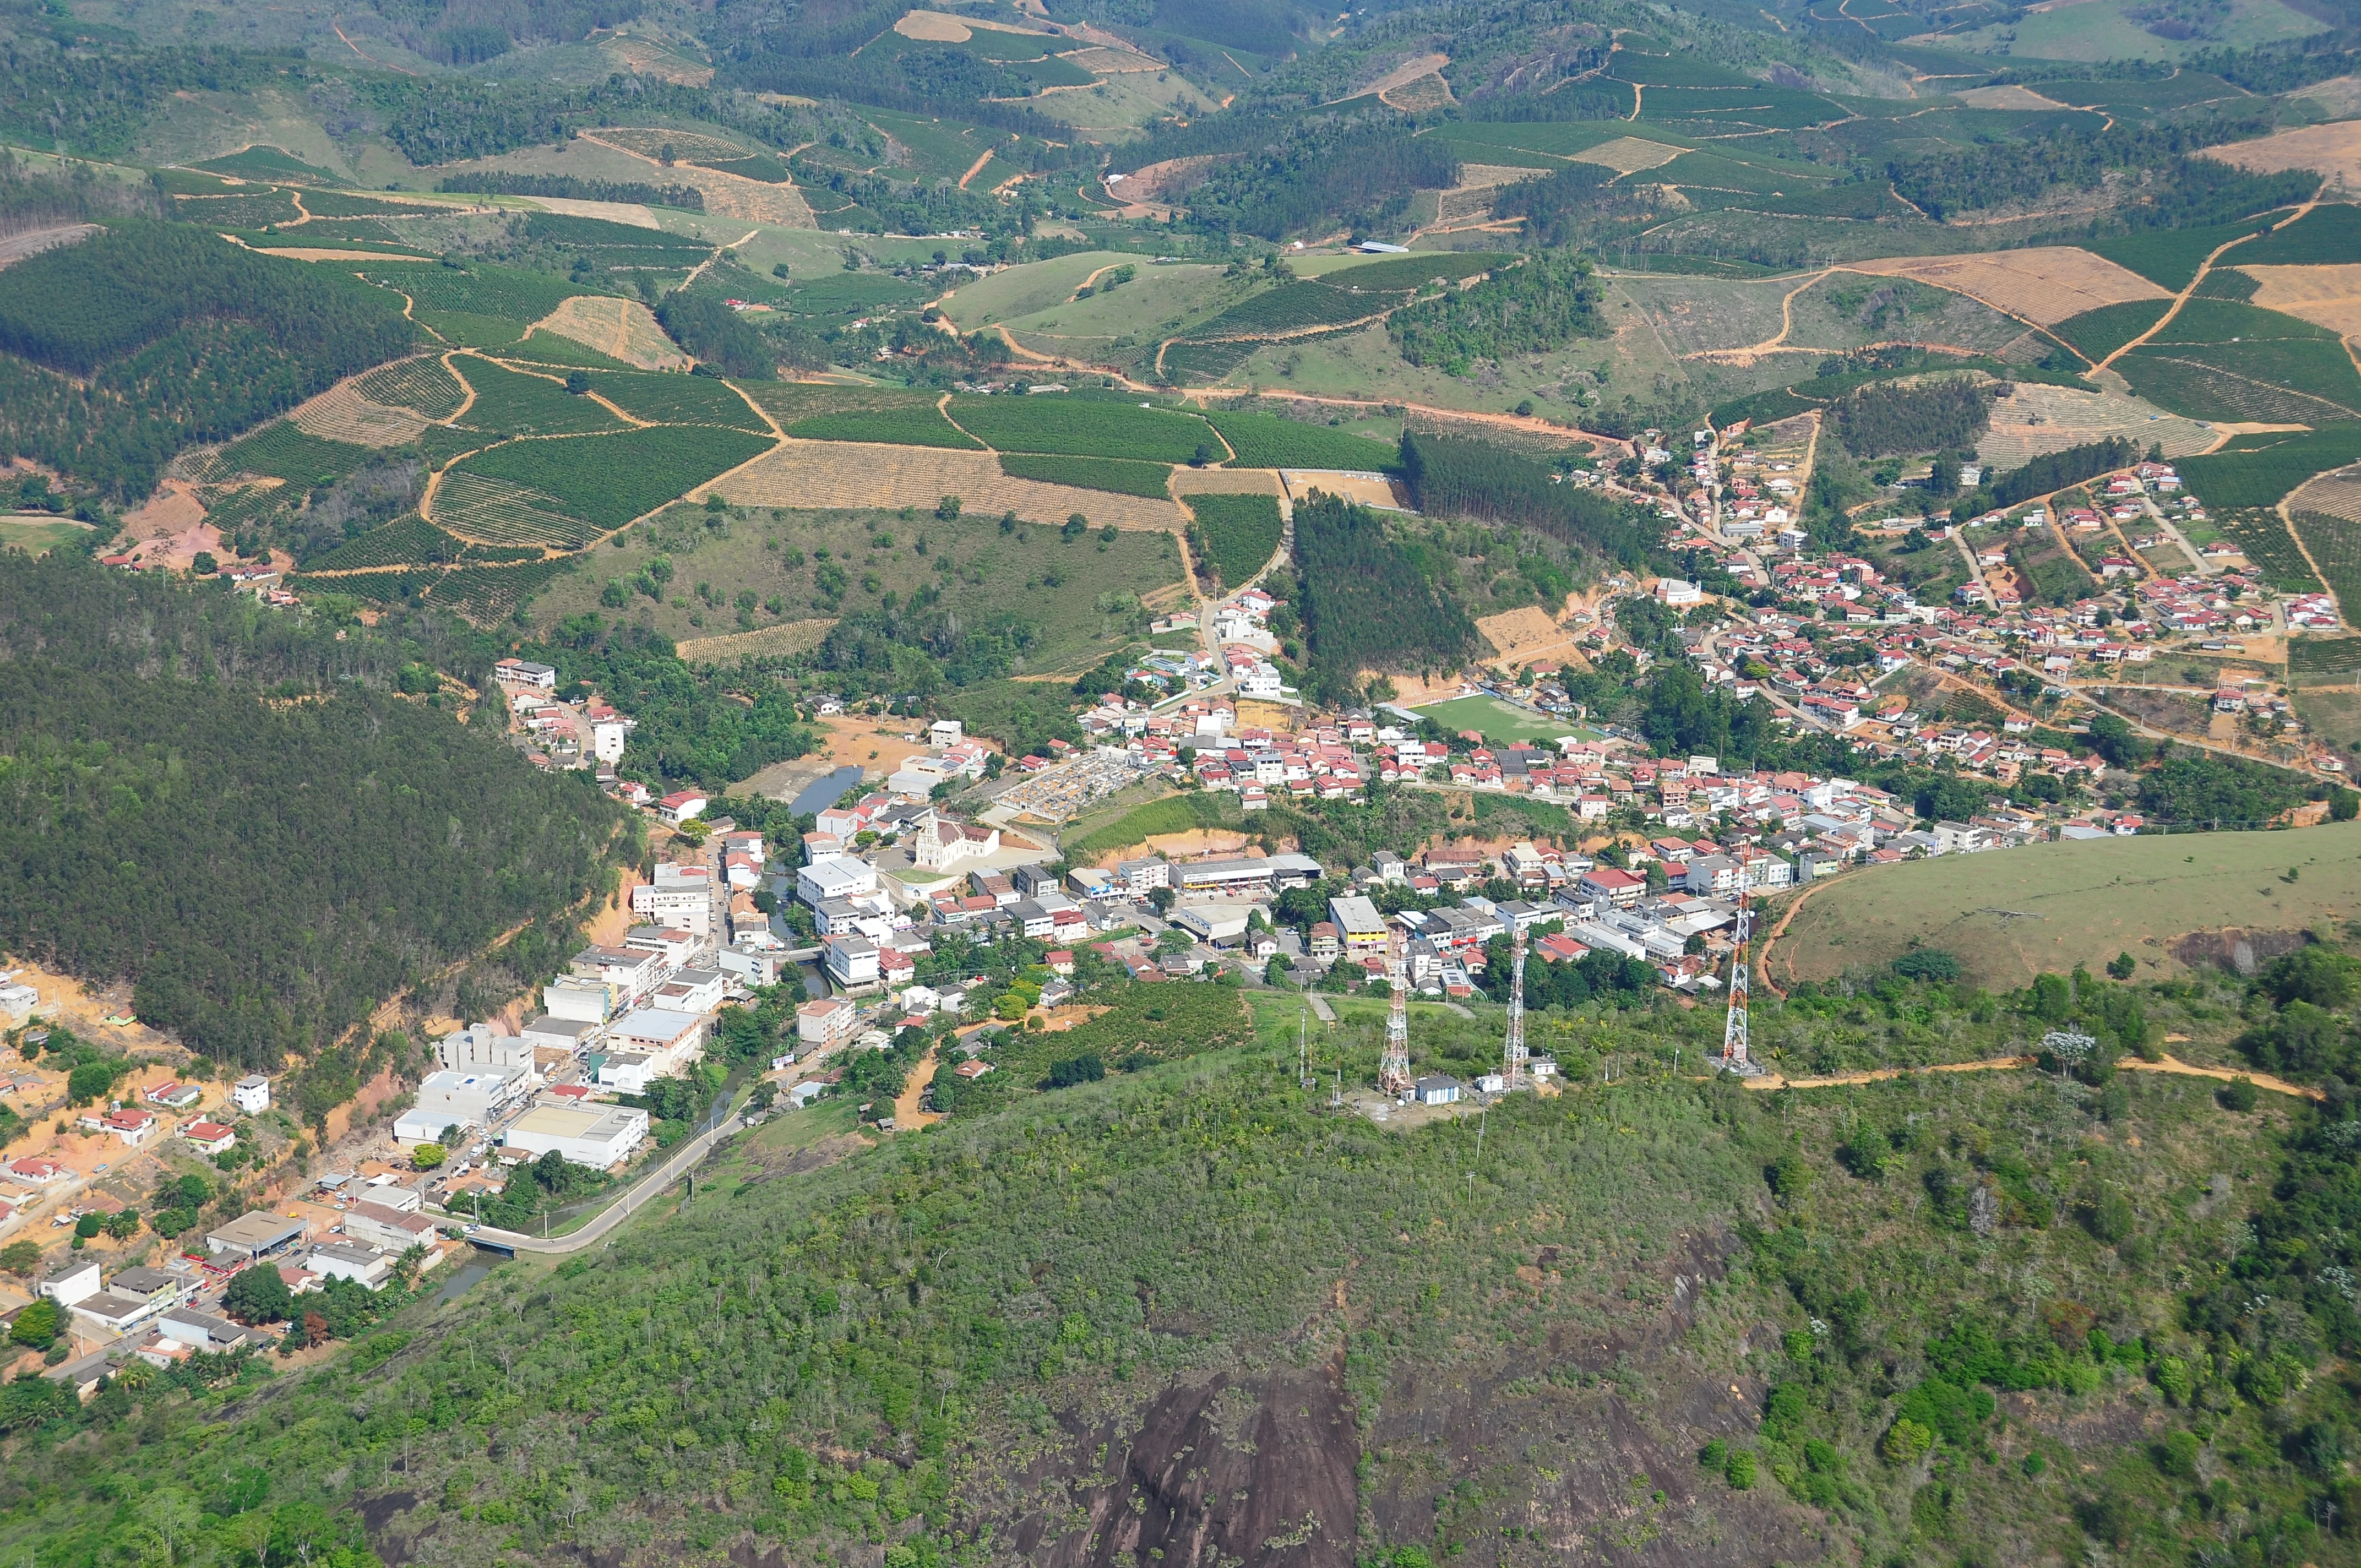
(1393, 1068)
(1733, 1029)
(1512, 1053)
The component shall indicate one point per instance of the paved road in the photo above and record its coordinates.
(682, 1159)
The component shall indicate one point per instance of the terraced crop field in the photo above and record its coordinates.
(677, 400)
(342, 413)
(1118, 474)
(498, 511)
(281, 451)
(2263, 539)
(812, 474)
(607, 480)
(1240, 532)
(510, 402)
(406, 542)
(421, 384)
(914, 425)
(1076, 427)
(1269, 441)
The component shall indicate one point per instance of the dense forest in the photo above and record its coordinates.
(1367, 604)
(1535, 308)
(2173, 188)
(1452, 477)
(497, 183)
(177, 337)
(1359, 175)
(716, 336)
(1945, 415)
(692, 729)
(263, 871)
(2055, 470)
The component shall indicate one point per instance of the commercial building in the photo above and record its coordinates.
(1358, 925)
(449, 1099)
(597, 1137)
(257, 1235)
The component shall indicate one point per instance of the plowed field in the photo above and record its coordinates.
(838, 474)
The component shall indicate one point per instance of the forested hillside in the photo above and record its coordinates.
(228, 808)
(118, 352)
(1370, 601)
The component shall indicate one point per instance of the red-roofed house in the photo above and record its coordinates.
(680, 806)
(210, 1138)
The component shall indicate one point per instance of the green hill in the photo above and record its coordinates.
(2009, 915)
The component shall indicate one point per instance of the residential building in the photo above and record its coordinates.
(1617, 887)
(825, 1021)
(202, 1331)
(209, 1137)
(367, 1266)
(173, 1096)
(252, 1094)
(572, 1000)
(76, 1279)
(674, 1039)
(376, 1224)
(479, 1046)
(851, 961)
(679, 807)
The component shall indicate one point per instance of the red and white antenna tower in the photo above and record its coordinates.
(1393, 1068)
(1512, 1053)
(1733, 1028)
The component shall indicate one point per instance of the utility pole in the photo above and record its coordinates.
(1393, 1069)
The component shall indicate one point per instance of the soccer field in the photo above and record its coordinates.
(1497, 720)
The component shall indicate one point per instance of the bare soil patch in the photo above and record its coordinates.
(2327, 296)
(1419, 94)
(630, 212)
(841, 473)
(1402, 75)
(2006, 98)
(2332, 151)
(2044, 285)
(1628, 155)
(316, 252)
(1524, 634)
(1229, 481)
(645, 60)
(32, 242)
(1370, 490)
(726, 195)
(621, 329)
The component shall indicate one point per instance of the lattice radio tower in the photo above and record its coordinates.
(1393, 1068)
(1512, 1053)
(1733, 1029)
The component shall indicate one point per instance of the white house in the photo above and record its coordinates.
(520, 673)
(679, 807)
(252, 1094)
(209, 1137)
(366, 1266)
(825, 1021)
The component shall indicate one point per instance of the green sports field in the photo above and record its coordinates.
(1496, 720)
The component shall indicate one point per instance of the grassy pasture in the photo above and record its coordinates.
(2082, 902)
(981, 572)
(37, 535)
